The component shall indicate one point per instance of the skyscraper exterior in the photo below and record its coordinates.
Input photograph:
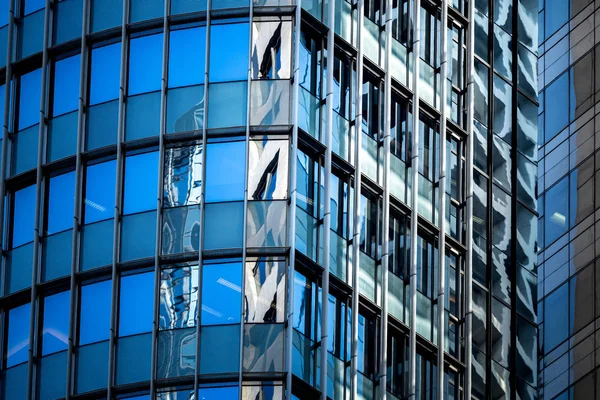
(568, 187)
(224, 199)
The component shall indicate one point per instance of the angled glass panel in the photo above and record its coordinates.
(17, 347)
(227, 56)
(105, 73)
(219, 351)
(67, 20)
(106, 14)
(268, 169)
(225, 171)
(29, 99)
(263, 347)
(526, 181)
(178, 297)
(92, 367)
(102, 125)
(138, 238)
(265, 291)
(66, 85)
(136, 304)
(23, 218)
(527, 78)
(53, 376)
(271, 49)
(55, 325)
(481, 35)
(176, 353)
(223, 225)
(221, 293)
(94, 313)
(270, 102)
(187, 54)
(139, 192)
(145, 62)
(527, 294)
(182, 176)
(99, 200)
(227, 104)
(180, 230)
(185, 109)
(61, 202)
(266, 224)
(134, 355)
(141, 10)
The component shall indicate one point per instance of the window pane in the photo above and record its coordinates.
(102, 125)
(219, 350)
(67, 20)
(557, 106)
(25, 145)
(62, 136)
(182, 176)
(271, 50)
(31, 34)
(263, 347)
(138, 238)
(29, 99)
(146, 9)
(60, 203)
(181, 230)
(227, 57)
(66, 85)
(143, 116)
(266, 224)
(557, 211)
(33, 5)
(97, 244)
(56, 255)
(223, 225)
(94, 314)
(134, 355)
(557, 14)
(219, 393)
(187, 6)
(268, 169)
(185, 109)
(99, 191)
(225, 171)
(105, 73)
(502, 109)
(265, 291)
(270, 102)
(106, 14)
(556, 328)
(221, 293)
(55, 333)
(18, 335)
(136, 304)
(187, 52)
(140, 183)
(24, 216)
(145, 63)
(176, 353)
(178, 297)
(53, 376)
(92, 367)
(227, 104)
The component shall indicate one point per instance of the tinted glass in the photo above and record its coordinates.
(182, 176)
(227, 57)
(18, 335)
(145, 64)
(66, 85)
(267, 169)
(219, 393)
(225, 171)
(557, 211)
(271, 50)
(55, 333)
(32, 6)
(29, 99)
(61, 202)
(221, 293)
(94, 313)
(178, 297)
(557, 106)
(136, 304)
(557, 14)
(140, 183)
(105, 73)
(265, 291)
(24, 216)
(99, 191)
(556, 311)
(187, 53)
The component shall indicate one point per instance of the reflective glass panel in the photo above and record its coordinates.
(145, 64)
(136, 304)
(23, 220)
(178, 297)
(67, 20)
(94, 313)
(61, 200)
(271, 50)
(225, 171)
(140, 183)
(55, 331)
(29, 99)
(219, 393)
(105, 73)
(182, 176)
(187, 53)
(265, 291)
(66, 85)
(221, 293)
(557, 211)
(227, 56)
(557, 106)
(99, 191)
(18, 335)
(268, 169)
(223, 225)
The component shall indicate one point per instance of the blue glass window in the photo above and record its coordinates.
(4, 12)
(24, 216)
(221, 293)
(67, 20)
(29, 99)
(556, 311)
(136, 304)
(557, 14)
(557, 106)
(66, 85)
(227, 56)
(18, 335)
(33, 5)
(218, 393)
(140, 183)
(187, 53)
(557, 211)
(60, 203)
(225, 171)
(145, 64)
(99, 201)
(106, 14)
(94, 314)
(55, 332)
(105, 73)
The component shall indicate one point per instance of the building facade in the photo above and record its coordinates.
(224, 199)
(568, 188)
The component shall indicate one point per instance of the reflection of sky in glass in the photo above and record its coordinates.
(24, 216)
(225, 171)
(18, 335)
(66, 85)
(145, 65)
(94, 319)
(140, 183)
(226, 55)
(221, 293)
(61, 203)
(55, 333)
(100, 191)
(135, 306)
(105, 73)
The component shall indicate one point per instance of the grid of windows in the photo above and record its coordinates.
(189, 211)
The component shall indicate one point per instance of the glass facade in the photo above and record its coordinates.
(568, 183)
(234, 199)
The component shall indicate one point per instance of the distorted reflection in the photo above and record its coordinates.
(178, 297)
(267, 169)
(263, 347)
(270, 103)
(180, 230)
(265, 290)
(264, 392)
(271, 49)
(183, 176)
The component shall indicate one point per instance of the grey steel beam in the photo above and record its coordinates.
(385, 256)
(469, 216)
(412, 366)
(356, 211)
(292, 210)
(441, 299)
